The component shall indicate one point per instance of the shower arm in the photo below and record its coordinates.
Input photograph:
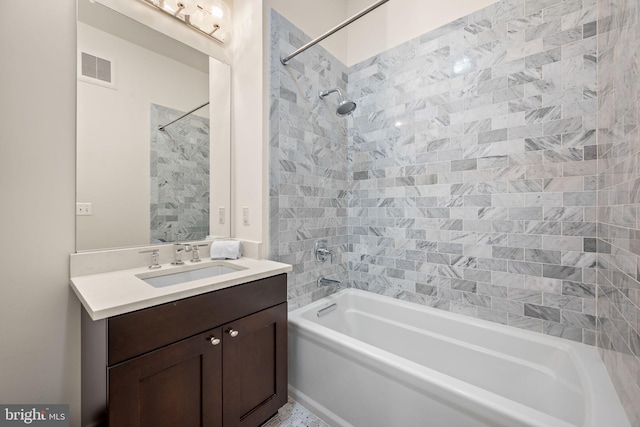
(331, 31)
(324, 93)
(161, 128)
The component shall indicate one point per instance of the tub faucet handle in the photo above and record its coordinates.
(322, 251)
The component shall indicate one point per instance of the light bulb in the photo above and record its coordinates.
(220, 9)
(217, 12)
(202, 20)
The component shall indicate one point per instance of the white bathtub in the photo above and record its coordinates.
(377, 361)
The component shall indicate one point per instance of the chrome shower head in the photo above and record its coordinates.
(345, 107)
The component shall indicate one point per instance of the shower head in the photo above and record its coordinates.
(345, 107)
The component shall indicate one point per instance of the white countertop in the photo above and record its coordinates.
(110, 294)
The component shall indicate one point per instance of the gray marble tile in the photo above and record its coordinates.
(562, 272)
(502, 174)
(540, 312)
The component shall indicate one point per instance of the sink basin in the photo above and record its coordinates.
(172, 277)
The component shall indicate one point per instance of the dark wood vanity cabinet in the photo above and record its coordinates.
(217, 359)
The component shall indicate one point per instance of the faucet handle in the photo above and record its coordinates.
(155, 253)
(322, 251)
(195, 256)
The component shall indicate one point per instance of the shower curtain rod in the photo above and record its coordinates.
(331, 31)
(183, 116)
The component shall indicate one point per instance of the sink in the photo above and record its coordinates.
(172, 277)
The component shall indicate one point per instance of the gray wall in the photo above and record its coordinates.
(471, 165)
(473, 157)
(39, 315)
(618, 197)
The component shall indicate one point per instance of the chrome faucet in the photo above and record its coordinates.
(323, 281)
(179, 248)
(322, 251)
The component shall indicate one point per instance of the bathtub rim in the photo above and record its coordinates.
(602, 406)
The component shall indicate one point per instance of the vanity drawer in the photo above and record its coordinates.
(138, 332)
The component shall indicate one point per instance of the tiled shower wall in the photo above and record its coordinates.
(618, 197)
(473, 160)
(308, 179)
(179, 172)
(471, 166)
(472, 171)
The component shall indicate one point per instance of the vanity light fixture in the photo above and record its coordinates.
(209, 17)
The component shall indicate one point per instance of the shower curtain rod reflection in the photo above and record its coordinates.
(331, 31)
(161, 128)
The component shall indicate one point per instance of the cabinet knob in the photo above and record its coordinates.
(232, 332)
(214, 340)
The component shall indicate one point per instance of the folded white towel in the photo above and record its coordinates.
(226, 249)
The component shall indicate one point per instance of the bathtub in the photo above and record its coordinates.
(365, 360)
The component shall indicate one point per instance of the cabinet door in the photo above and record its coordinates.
(175, 386)
(255, 367)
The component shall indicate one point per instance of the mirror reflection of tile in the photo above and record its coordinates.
(179, 173)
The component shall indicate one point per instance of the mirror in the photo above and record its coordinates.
(136, 184)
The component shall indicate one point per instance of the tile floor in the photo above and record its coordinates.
(294, 414)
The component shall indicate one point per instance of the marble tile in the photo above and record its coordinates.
(293, 414)
(617, 311)
(179, 176)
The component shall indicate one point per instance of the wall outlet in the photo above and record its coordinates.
(221, 215)
(245, 215)
(84, 209)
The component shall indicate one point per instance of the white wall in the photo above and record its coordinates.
(247, 150)
(398, 21)
(114, 135)
(220, 140)
(39, 315)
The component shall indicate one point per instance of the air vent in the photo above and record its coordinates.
(96, 68)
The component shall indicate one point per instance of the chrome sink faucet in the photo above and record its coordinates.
(178, 249)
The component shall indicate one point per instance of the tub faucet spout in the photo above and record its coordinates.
(322, 281)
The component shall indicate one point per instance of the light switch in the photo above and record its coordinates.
(245, 215)
(84, 209)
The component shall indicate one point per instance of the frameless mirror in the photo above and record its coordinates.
(153, 139)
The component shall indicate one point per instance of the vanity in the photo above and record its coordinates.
(202, 344)
(207, 352)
